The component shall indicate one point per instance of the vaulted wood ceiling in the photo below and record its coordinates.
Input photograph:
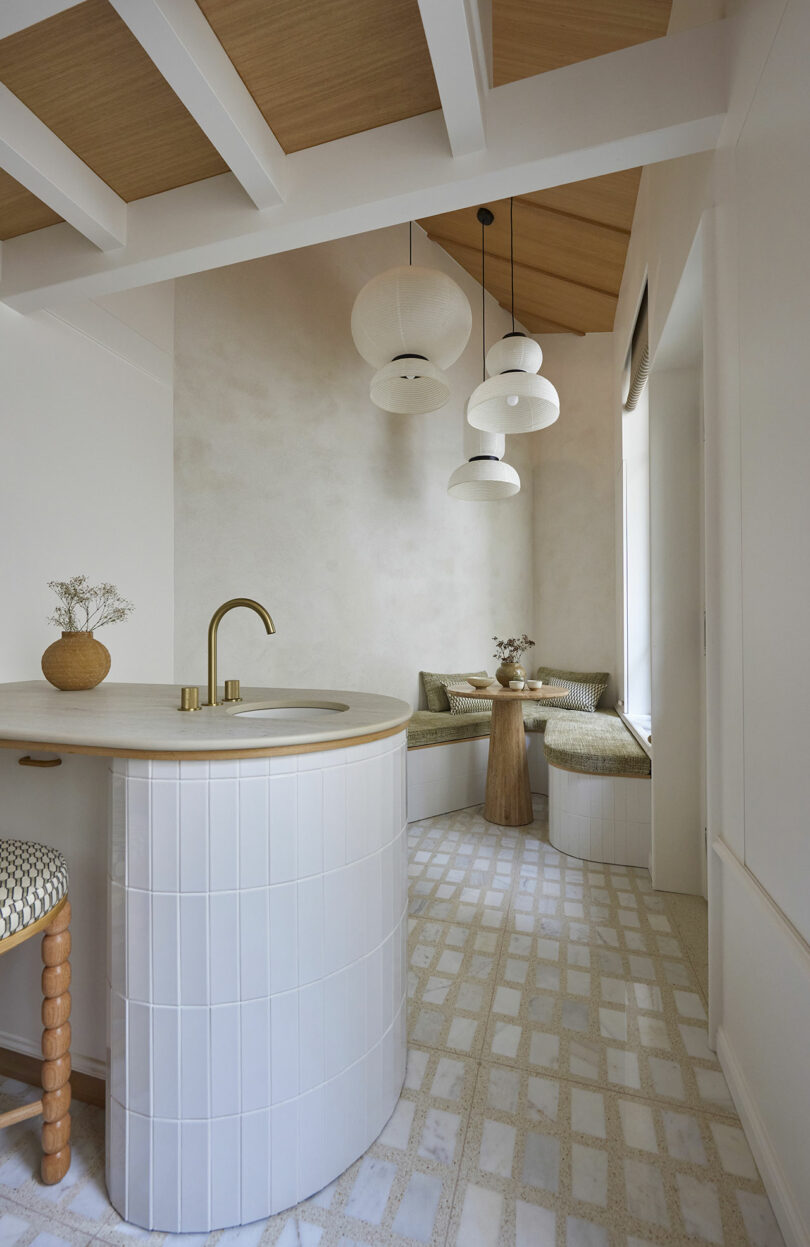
(319, 72)
(570, 247)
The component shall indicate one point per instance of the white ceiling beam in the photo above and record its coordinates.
(459, 77)
(176, 36)
(17, 14)
(46, 166)
(655, 101)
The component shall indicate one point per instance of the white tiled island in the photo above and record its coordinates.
(256, 938)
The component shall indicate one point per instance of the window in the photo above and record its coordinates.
(636, 529)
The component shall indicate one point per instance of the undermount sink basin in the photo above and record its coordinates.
(291, 710)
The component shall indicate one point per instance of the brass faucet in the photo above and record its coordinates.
(270, 628)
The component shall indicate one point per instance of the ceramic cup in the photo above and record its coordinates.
(516, 684)
(534, 684)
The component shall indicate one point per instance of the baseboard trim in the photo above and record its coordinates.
(794, 1230)
(25, 1067)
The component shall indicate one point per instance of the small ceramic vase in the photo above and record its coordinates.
(509, 671)
(76, 661)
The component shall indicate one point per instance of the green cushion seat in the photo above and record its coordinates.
(593, 744)
(430, 727)
(437, 727)
(597, 744)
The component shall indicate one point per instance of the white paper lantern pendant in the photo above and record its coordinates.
(410, 323)
(484, 478)
(412, 388)
(514, 399)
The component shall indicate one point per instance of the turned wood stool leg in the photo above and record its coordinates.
(56, 1049)
(508, 797)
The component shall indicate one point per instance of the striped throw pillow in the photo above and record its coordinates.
(584, 688)
(468, 705)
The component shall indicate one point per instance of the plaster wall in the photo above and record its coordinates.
(86, 480)
(292, 488)
(86, 485)
(574, 484)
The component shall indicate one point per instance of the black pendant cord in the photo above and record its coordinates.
(483, 312)
(486, 217)
(410, 256)
(512, 254)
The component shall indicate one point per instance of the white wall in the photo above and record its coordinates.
(86, 485)
(752, 199)
(292, 488)
(676, 611)
(86, 474)
(574, 556)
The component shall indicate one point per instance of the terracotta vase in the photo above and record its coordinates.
(509, 671)
(76, 661)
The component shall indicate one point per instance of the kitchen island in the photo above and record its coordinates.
(256, 884)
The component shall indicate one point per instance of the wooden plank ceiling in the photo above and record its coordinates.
(570, 247)
(320, 72)
(570, 241)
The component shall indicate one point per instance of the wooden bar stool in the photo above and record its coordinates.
(33, 900)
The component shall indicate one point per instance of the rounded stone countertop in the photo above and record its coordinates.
(142, 720)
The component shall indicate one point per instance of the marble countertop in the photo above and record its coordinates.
(143, 718)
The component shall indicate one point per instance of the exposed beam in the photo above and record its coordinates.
(445, 240)
(17, 14)
(178, 39)
(46, 166)
(459, 77)
(655, 101)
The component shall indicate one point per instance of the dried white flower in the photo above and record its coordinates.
(85, 607)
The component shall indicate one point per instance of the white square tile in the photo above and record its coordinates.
(588, 1112)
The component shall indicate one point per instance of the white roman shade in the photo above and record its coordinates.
(639, 356)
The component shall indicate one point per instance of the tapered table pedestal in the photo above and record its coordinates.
(508, 800)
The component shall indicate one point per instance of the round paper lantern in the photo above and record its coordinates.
(514, 352)
(410, 386)
(410, 310)
(484, 478)
(513, 402)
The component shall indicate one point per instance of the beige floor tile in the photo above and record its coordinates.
(560, 1090)
(598, 1166)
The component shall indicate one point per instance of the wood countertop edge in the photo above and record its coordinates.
(201, 755)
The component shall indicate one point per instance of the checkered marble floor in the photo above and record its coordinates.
(560, 1089)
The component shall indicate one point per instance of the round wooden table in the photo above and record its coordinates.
(508, 800)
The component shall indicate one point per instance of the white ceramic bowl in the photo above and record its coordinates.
(534, 684)
(481, 681)
(517, 684)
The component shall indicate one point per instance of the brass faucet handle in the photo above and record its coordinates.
(189, 697)
(232, 691)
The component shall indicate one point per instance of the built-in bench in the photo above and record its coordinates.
(590, 766)
(595, 744)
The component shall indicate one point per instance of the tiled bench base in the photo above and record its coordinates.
(256, 979)
(602, 818)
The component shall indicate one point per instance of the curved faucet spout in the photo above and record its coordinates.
(213, 627)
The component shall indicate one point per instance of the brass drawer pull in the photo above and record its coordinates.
(29, 761)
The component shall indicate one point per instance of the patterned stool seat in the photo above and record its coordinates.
(33, 879)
